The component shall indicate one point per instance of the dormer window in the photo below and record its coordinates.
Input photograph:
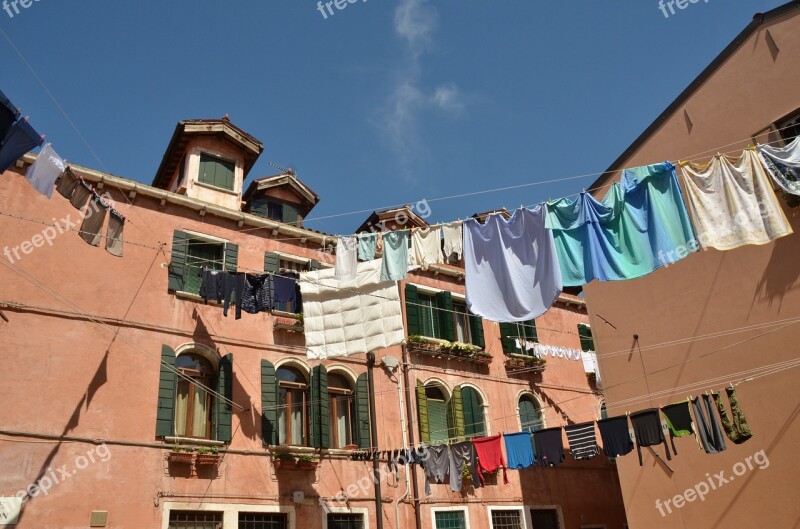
(216, 171)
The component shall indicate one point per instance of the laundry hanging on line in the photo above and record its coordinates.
(783, 165)
(44, 171)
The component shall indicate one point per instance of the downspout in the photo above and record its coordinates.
(407, 467)
(376, 477)
(411, 468)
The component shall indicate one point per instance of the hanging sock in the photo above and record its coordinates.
(616, 437)
(512, 274)
(453, 236)
(43, 173)
(737, 431)
(394, 265)
(732, 203)
(582, 440)
(640, 226)
(783, 165)
(93, 221)
(346, 258)
(20, 139)
(367, 244)
(426, 247)
(708, 429)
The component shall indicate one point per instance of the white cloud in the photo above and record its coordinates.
(415, 21)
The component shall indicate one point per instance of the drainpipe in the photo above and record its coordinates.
(411, 468)
(407, 467)
(376, 476)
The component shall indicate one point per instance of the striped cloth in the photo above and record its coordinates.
(582, 440)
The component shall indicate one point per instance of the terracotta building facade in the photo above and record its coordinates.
(98, 430)
(715, 319)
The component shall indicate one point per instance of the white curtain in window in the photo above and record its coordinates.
(200, 412)
(181, 406)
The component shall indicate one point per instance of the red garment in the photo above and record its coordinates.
(490, 456)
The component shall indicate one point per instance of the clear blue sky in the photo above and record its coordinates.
(382, 103)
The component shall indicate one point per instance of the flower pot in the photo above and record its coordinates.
(307, 465)
(284, 464)
(181, 457)
(207, 459)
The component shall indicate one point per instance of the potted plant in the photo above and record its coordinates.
(207, 456)
(283, 460)
(308, 462)
(421, 344)
(482, 357)
(181, 454)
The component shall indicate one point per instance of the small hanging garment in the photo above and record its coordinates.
(437, 466)
(367, 244)
(93, 220)
(285, 289)
(461, 454)
(648, 432)
(116, 225)
(582, 440)
(346, 258)
(67, 184)
(549, 446)
(616, 437)
(679, 419)
(640, 225)
(232, 287)
(8, 115)
(394, 264)
(519, 449)
(453, 236)
(737, 431)
(733, 204)
(19, 139)
(212, 285)
(708, 429)
(42, 174)
(81, 194)
(783, 164)
(426, 247)
(490, 456)
(510, 265)
(256, 294)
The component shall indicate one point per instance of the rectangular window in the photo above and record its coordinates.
(257, 520)
(461, 315)
(585, 334)
(517, 338)
(545, 519)
(275, 211)
(201, 253)
(508, 519)
(429, 316)
(216, 171)
(450, 520)
(195, 520)
(345, 521)
(789, 128)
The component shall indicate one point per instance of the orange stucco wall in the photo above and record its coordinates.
(714, 292)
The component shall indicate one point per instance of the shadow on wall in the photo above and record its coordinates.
(98, 380)
(781, 273)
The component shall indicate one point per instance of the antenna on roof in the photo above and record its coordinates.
(282, 169)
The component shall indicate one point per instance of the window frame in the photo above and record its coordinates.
(334, 394)
(464, 510)
(255, 513)
(556, 508)
(208, 380)
(792, 118)
(209, 239)
(521, 509)
(362, 511)
(537, 405)
(306, 406)
(216, 158)
(458, 315)
(230, 511)
(170, 512)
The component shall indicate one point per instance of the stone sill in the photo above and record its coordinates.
(183, 441)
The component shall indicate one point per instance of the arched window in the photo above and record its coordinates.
(342, 410)
(437, 413)
(292, 407)
(474, 425)
(193, 402)
(530, 415)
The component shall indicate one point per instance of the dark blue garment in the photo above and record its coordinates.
(285, 289)
(519, 450)
(8, 114)
(20, 139)
(549, 446)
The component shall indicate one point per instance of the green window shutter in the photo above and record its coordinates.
(476, 331)
(314, 265)
(412, 311)
(320, 408)
(530, 331)
(223, 409)
(206, 174)
(290, 214)
(177, 264)
(272, 262)
(585, 334)
(437, 420)
(422, 414)
(231, 257)
(455, 415)
(166, 393)
(473, 413)
(447, 324)
(508, 332)
(362, 412)
(225, 172)
(269, 403)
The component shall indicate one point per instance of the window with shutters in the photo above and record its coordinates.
(345, 521)
(429, 317)
(439, 316)
(507, 519)
(195, 520)
(545, 519)
(216, 171)
(192, 253)
(193, 402)
(472, 403)
(450, 518)
(437, 414)
(342, 411)
(585, 335)
(518, 338)
(530, 414)
(461, 315)
(293, 403)
(259, 520)
(457, 418)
